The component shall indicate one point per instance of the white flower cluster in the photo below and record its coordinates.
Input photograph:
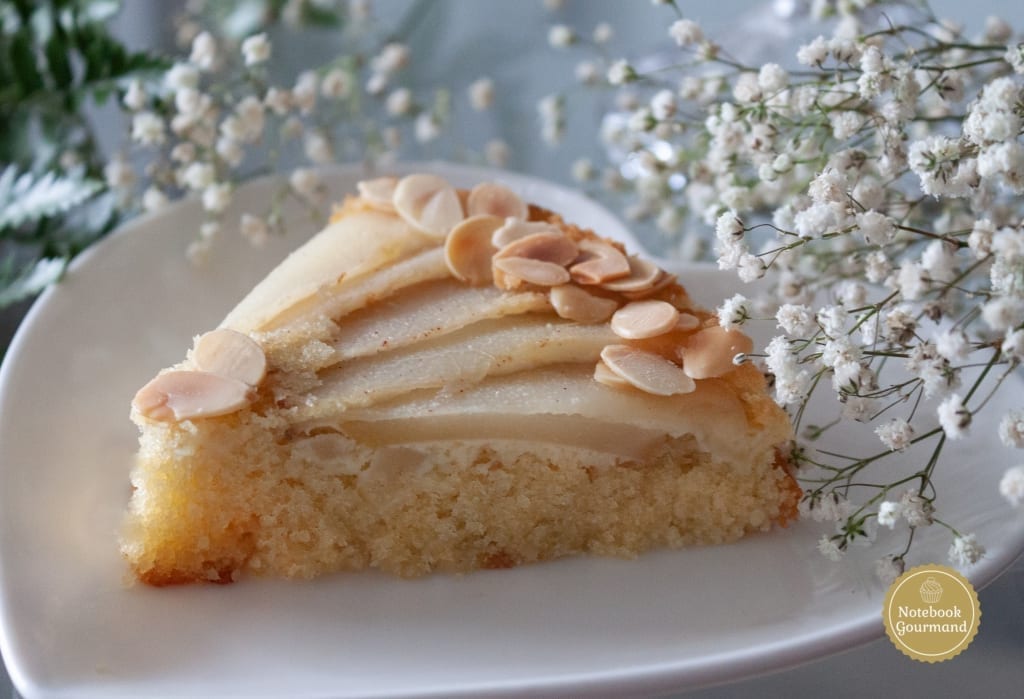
(875, 180)
(199, 124)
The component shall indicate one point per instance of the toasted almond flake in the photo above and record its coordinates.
(663, 280)
(492, 199)
(573, 303)
(546, 247)
(532, 271)
(709, 353)
(642, 319)
(598, 262)
(647, 371)
(468, 250)
(602, 374)
(184, 395)
(428, 203)
(232, 354)
(516, 228)
(379, 192)
(642, 275)
(687, 322)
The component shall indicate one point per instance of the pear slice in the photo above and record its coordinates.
(354, 246)
(461, 358)
(430, 310)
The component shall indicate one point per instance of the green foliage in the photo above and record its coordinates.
(56, 57)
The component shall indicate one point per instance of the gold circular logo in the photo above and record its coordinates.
(931, 613)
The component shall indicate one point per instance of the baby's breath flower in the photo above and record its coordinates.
(583, 170)
(1011, 429)
(399, 102)
(889, 513)
(828, 548)
(603, 33)
(256, 49)
(954, 417)
(135, 97)
(204, 52)
(392, 58)
(426, 127)
(1003, 313)
(318, 147)
(663, 105)
(307, 184)
(561, 36)
(734, 312)
(198, 176)
(496, 153)
(916, 510)
(336, 84)
(304, 91)
(686, 32)
(254, 229)
(888, 568)
(1011, 485)
(278, 100)
(814, 53)
(1013, 345)
(181, 76)
(216, 197)
(620, 72)
(481, 94)
(1015, 57)
(772, 77)
(895, 435)
(148, 129)
(966, 551)
(153, 199)
(796, 320)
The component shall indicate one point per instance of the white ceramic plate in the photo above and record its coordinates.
(71, 627)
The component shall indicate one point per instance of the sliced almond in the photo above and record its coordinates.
(709, 353)
(642, 275)
(468, 250)
(602, 374)
(642, 319)
(573, 303)
(532, 271)
(184, 395)
(599, 263)
(516, 228)
(663, 280)
(232, 354)
(649, 372)
(546, 247)
(687, 322)
(492, 199)
(428, 203)
(379, 192)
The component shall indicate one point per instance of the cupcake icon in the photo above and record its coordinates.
(931, 590)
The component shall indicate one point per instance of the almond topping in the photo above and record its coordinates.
(687, 322)
(231, 354)
(647, 371)
(599, 262)
(643, 319)
(602, 374)
(489, 198)
(428, 204)
(184, 395)
(546, 247)
(531, 270)
(468, 250)
(379, 192)
(642, 275)
(516, 228)
(573, 303)
(709, 353)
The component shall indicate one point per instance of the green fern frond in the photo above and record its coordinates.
(25, 198)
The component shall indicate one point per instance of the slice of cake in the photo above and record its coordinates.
(451, 380)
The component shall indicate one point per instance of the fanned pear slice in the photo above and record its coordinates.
(461, 358)
(711, 413)
(430, 310)
(351, 247)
